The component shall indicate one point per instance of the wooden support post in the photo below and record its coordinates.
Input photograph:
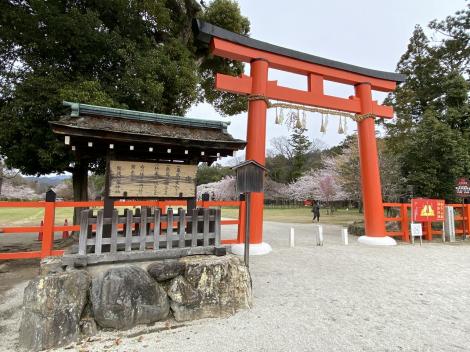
(114, 230)
(169, 228)
(181, 227)
(128, 243)
(99, 232)
(206, 226)
(194, 227)
(49, 219)
(405, 222)
(156, 228)
(241, 219)
(466, 219)
(217, 227)
(83, 237)
(428, 225)
(143, 228)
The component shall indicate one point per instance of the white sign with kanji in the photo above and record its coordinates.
(139, 179)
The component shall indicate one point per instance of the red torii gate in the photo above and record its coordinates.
(261, 56)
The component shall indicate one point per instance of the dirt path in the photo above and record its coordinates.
(15, 272)
(330, 298)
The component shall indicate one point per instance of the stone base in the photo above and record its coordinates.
(64, 304)
(377, 241)
(255, 249)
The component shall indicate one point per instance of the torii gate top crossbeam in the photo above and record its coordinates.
(238, 47)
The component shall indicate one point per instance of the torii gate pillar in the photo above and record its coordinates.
(256, 150)
(370, 176)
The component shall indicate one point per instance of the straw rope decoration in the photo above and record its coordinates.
(294, 119)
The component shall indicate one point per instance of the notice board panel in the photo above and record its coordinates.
(144, 179)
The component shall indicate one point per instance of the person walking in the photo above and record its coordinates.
(316, 211)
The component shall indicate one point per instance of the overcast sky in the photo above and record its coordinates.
(368, 33)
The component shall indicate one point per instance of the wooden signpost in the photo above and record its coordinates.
(462, 190)
(250, 178)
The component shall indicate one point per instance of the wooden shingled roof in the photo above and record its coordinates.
(152, 135)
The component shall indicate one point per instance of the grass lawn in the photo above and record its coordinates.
(33, 216)
(302, 215)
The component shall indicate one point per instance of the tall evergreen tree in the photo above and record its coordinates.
(434, 156)
(132, 54)
(300, 145)
(436, 92)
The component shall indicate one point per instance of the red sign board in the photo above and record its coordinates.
(427, 209)
(462, 188)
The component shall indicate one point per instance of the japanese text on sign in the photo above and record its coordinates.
(139, 179)
(427, 209)
(462, 188)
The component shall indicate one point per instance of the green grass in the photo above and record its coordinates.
(302, 215)
(33, 216)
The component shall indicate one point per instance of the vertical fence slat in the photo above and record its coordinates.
(99, 232)
(143, 228)
(114, 230)
(405, 223)
(217, 226)
(83, 232)
(194, 228)
(206, 226)
(128, 245)
(48, 228)
(156, 229)
(169, 228)
(241, 222)
(181, 227)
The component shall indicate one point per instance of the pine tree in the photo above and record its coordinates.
(436, 92)
(301, 146)
(434, 156)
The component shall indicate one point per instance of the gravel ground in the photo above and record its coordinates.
(330, 298)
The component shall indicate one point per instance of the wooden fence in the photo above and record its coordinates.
(48, 228)
(402, 219)
(144, 236)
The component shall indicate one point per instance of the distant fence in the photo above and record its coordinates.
(401, 217)
(48, 228)
(283, 203)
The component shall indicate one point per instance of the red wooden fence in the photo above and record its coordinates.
(404, 215)
(49, 228)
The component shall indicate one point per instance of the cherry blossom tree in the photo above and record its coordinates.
(323, 184)
(221, 190)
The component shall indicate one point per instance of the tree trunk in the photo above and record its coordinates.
(80, 186)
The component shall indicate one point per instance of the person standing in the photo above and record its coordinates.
(316, 211)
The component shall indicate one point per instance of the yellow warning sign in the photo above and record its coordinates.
(427, 210)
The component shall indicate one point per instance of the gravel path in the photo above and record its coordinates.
(331, 298)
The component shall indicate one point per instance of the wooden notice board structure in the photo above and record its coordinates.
(148, 157)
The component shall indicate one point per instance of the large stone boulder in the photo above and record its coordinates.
(166, 269)
(124, 297)
(53, 305)
(210, 287)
